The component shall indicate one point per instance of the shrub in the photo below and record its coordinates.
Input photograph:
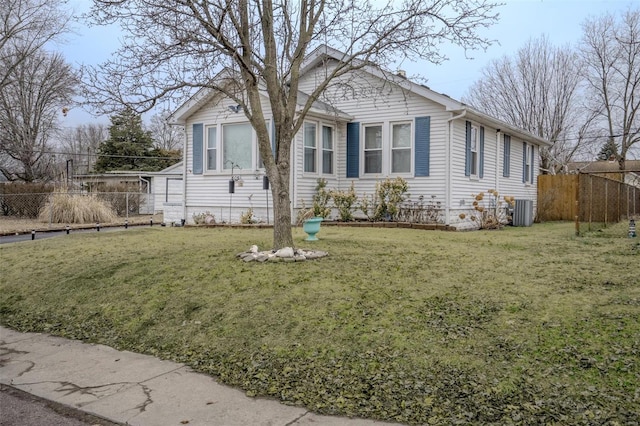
(390, 193)
(77, 208)
(248, 217)
(344, 201)
(421, 211)
(489, 211)
(23, 199)
(321, 200)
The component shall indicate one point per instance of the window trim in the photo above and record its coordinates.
(314, 148)
(220, 167)
(208, 130)
(410, 148)
(322, 149)
(474, 163)
(365, 150)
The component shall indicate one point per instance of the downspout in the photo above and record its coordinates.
(447, 208)
(184, 176)
(497, 186)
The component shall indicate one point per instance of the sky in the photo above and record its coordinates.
(519, 21)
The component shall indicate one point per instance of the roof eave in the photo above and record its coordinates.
(499, 124)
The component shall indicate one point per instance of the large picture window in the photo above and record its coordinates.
(401, 148)
(237, 146)
(373, 149)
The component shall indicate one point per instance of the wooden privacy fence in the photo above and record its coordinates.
(587, 197)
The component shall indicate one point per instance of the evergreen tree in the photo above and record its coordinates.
(609, 150)
(128, 145)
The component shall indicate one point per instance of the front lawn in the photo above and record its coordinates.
(523, 326)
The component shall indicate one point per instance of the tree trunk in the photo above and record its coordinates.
(282, 234)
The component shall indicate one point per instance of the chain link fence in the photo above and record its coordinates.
(31, 205)
(603, 201)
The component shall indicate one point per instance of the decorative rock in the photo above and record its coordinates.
(285, 252)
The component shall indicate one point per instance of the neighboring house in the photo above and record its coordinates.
(610, 169)
(162, 190)
(365, 128)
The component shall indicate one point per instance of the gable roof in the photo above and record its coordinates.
(324, 52)
(207, 94)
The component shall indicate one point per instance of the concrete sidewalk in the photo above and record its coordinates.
(134, 389)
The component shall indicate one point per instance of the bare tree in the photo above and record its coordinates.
(165, 136)
(25, 27)
(538, 89)
(611, 52)
(261, 45)
(80, 145)
(40, 86)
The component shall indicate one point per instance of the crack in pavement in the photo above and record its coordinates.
(294, 421)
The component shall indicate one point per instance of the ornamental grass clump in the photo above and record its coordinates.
(63, 207)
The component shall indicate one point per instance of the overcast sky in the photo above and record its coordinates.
(519, 21)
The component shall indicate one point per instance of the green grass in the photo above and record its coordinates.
(518, 326)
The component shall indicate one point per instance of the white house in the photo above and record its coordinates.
(368, 126)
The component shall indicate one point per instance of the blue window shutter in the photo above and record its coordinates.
(198, 137)
(506, 156)
(422, 142)
(481, 173)
(467, 155)
(353, 150)
(524, 162)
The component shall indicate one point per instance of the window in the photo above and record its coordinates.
(327, 150)
(506, 156)
(401, 148)
(373, 149)
(474, 151)
(310, 148)
(528, 163)
(237, 146)
(211, 148)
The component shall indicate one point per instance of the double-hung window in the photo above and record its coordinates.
(212, 148)
(373, 149)
(475, 158)
(401, 148)
(506, 156)
(528, 163)
(327, 150)
(310, 148)
(237, 146)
